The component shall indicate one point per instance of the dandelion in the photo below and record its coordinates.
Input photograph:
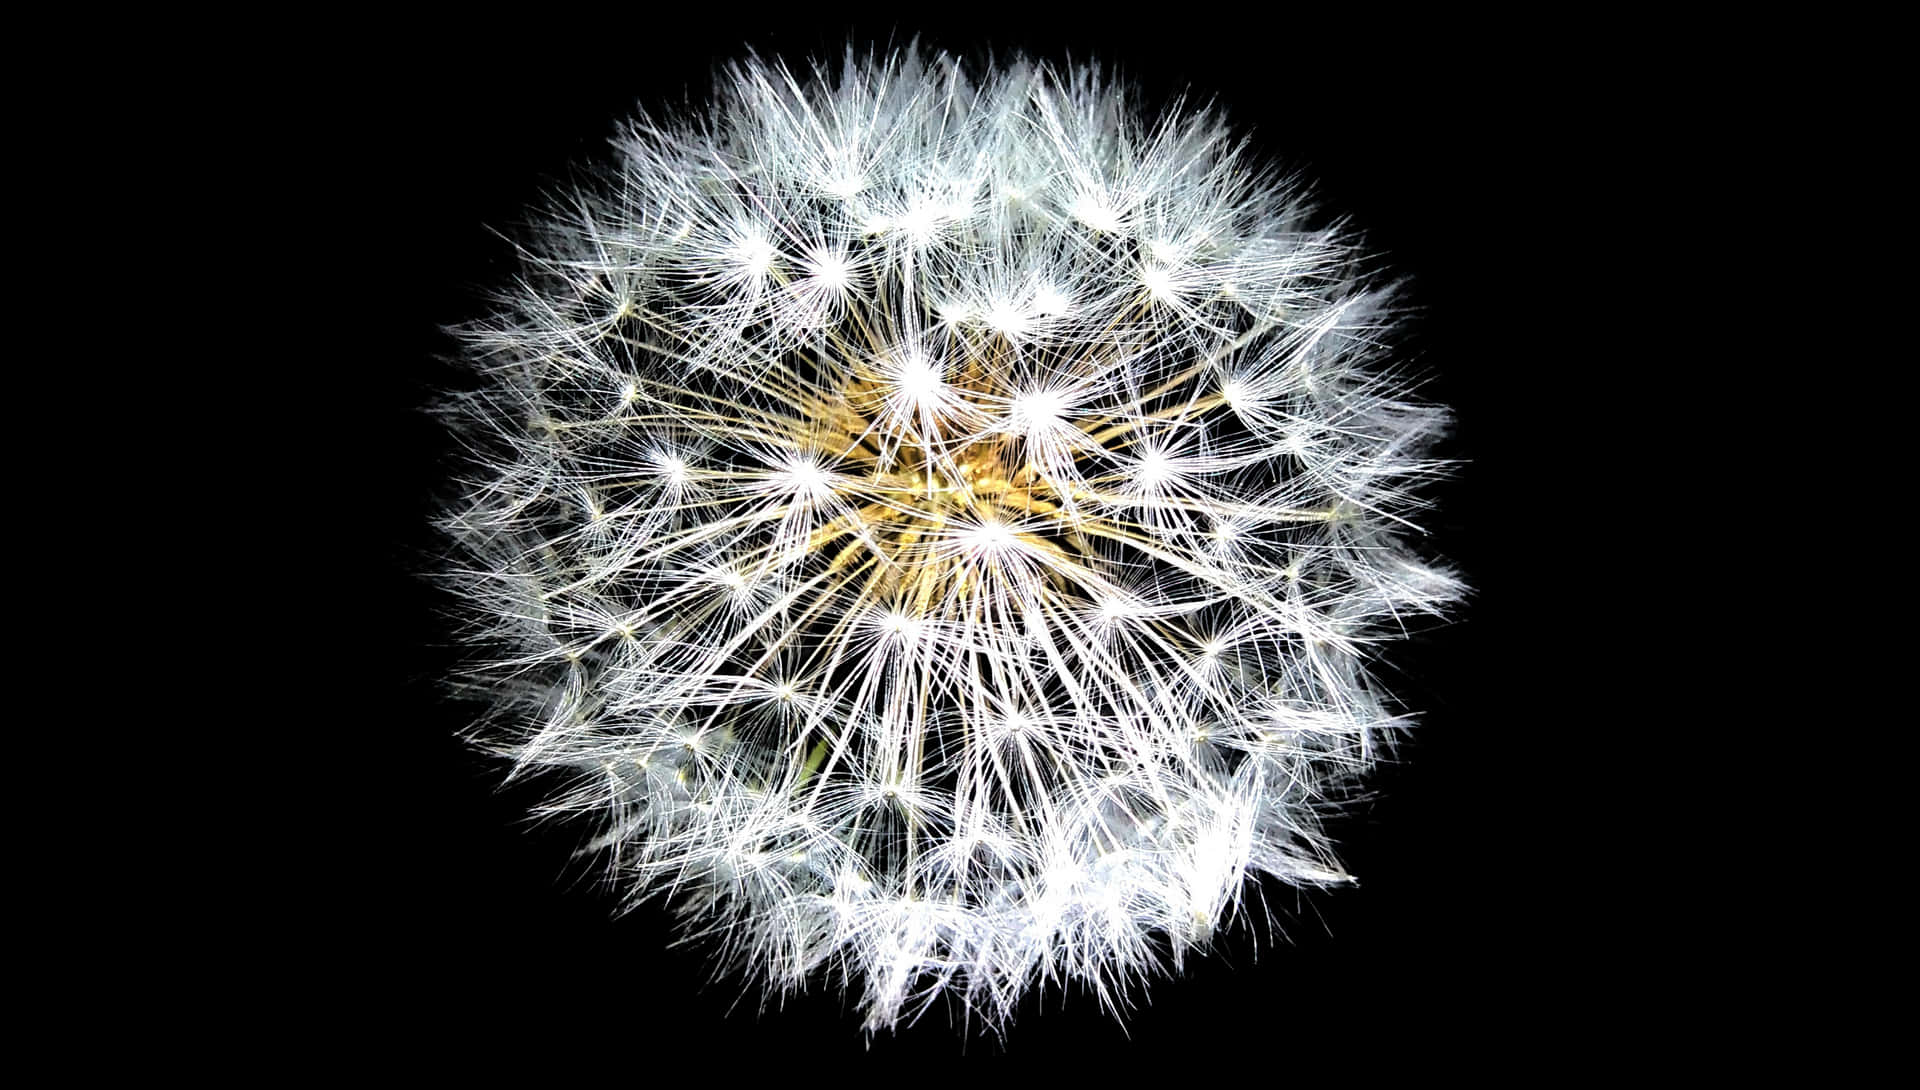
(934, 524)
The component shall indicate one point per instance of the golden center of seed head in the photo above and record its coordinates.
(973, 482)
(977, 476)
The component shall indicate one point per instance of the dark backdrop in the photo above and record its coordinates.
(1462, 159)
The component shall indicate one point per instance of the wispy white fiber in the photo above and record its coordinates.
(934, 524)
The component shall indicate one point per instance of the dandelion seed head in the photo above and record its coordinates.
(803, 475)
(1165, 253)
(754, 255)
(830, 271)
(1153, 469)
(935, 522)
(1093, 210)
(1050, 302)
(989, 537)
(673, 467)
(954, 313)
(845, 185)
(1005, 318)
(1158, 280)
(1038, 411)
(918, 384)
(901, 626)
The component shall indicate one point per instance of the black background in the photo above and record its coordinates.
(450, 925)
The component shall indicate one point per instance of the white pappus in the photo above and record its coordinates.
(933, 520)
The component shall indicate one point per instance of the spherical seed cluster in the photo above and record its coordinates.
(933, 523)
